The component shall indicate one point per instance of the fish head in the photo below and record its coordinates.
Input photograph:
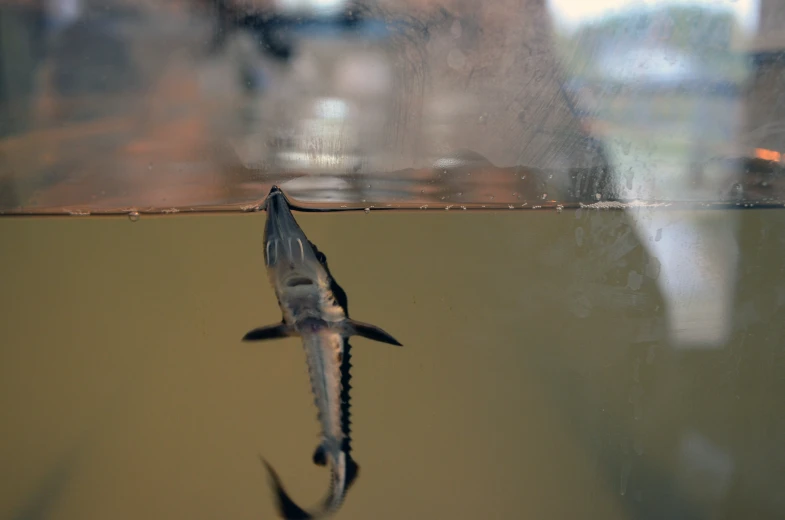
(293, 266)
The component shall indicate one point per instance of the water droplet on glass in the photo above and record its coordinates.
(133, 216)
(650, 355)
(624, 477)
(456, 59)
(580, 305)
(634, 280)
(456, 29)
(637, 446)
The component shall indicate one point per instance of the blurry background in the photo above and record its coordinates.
(109, 104)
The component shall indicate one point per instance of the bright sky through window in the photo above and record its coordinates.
(570, 14)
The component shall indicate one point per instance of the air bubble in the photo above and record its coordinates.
(133, 216)
(367, 210)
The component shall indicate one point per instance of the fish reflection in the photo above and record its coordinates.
(315, 308)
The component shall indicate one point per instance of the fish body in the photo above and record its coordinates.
(315, 308)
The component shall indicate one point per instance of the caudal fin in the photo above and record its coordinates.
(342, 480)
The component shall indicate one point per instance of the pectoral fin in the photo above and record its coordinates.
(279, 330)
(320, 455)
(366, 330)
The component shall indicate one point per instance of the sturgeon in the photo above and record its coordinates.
(315, 308)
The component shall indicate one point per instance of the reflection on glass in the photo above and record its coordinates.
(662, 84)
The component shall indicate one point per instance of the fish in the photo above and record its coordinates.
(315, 308)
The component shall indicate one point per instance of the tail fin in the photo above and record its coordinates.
(343, 476)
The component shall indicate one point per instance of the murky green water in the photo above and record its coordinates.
(538, 377)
